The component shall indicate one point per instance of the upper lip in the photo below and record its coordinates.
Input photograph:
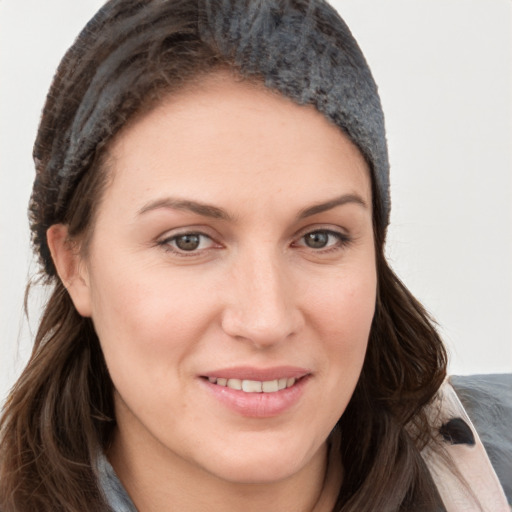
(259, 374)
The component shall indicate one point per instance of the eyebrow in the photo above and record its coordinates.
(208, 210)
(203, 209)
(333, 203)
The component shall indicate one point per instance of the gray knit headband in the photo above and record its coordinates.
(301, 48)
(305, 50)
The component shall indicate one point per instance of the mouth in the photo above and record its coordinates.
(255, 386)
(258, 392)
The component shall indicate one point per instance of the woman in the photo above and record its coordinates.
(210, 205)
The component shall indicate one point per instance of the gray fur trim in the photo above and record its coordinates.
(488, 402)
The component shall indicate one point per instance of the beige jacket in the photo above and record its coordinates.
(483, 492)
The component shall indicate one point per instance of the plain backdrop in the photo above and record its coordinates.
(444, 68)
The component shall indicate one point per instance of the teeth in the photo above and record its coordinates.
(235, 384)
(270, 386)
(251, 386)
(254, 386)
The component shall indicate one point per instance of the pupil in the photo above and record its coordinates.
(188, 242)
(317, 240)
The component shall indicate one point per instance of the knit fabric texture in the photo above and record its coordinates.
(300, 48)
(304, 50)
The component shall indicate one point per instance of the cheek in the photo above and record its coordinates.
(344, 306)
(342, 313)
(146, 323)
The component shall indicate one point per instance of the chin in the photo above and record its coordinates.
(247, 472)
(274, 462)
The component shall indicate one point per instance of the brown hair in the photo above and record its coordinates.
(60, 412)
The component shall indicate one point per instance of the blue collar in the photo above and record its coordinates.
(115, 494)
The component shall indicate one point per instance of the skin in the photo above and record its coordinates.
(253, 293)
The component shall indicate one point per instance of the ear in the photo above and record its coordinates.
(70, 267)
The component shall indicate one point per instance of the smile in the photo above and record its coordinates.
(254, 386)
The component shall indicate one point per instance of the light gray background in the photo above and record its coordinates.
(444, 68)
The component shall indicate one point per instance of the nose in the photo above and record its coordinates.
(262, 305)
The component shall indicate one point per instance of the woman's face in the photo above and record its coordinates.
(233, 248)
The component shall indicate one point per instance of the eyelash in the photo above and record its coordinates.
(342, 241)
(167, 244)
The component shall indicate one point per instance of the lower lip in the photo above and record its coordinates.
(258, 405)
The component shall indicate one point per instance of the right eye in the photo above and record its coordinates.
(187, 242)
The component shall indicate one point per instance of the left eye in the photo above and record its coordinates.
(321, 239)
(189, 242)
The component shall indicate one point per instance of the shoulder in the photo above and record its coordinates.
(487, 400)
(459, 463)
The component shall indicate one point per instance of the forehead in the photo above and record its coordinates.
(227, 131)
